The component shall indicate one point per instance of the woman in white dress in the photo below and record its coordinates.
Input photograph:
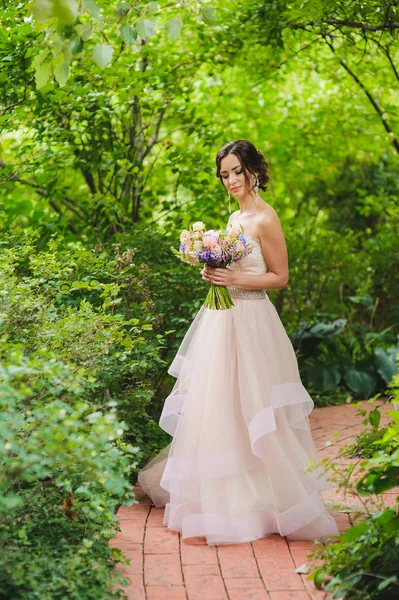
(237, 468)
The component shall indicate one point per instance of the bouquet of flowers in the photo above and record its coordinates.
(216, 248)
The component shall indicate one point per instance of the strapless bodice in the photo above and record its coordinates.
(253, 264)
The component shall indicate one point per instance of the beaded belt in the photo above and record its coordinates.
(244, 294)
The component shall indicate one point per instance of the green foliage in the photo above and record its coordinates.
(363, 563)
(78, 350)
(369, 439)
(72, 30)
(64, 470)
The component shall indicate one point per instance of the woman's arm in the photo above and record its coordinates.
(274, 251)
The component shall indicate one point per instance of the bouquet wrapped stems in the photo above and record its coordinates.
(218, 298)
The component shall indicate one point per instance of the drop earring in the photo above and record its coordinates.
(228, 191)
(256, 187)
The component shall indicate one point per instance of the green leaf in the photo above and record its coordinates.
(319, 578)
(324, 378)
(360, 382)
(392, 526)
(152, 8)
(366, 300)
(208, 14)
(42, 74)
(80, 285)
(386, 516)
(128, 34)
(385, 363)
(145, 28)
(39, 58)
(92, 8)
(66, 11)
(122, 9)
(84, 31)
(356, 531)
(384, 584)
(102, 54)
(174, 27)
(61, 73)
(375, 417)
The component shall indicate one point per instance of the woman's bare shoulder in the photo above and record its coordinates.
(267, 217)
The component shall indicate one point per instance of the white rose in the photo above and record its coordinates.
(198, 226)
(198, 246)
(234, 231)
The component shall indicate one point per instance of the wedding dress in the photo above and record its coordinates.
(237, 467)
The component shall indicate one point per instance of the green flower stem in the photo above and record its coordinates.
(218, 298)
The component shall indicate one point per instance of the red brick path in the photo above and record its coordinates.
(165, 567)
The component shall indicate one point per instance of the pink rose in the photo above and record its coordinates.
(210, 238)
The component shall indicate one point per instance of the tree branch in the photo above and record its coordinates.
(364, 26)
(372, 100)
(10, 106)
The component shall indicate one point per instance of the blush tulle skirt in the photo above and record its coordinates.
(237, 468)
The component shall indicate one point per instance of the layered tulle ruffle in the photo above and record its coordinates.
(237, 468)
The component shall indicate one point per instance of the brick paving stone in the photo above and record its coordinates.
(237, 561)
(195, 555)
(135, 591)
(208, 587)
(158, 540)
(166, 567)
(129, 535)
(134, 512)
(300, 551)
(282, 578)
(162, 569)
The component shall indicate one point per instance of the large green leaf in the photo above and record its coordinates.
(328, 329)
(42, 74)
(145, 28)
(61, 72)
(386, 365)
(174, 27)
(208, 14)
(324, 378)
(128, 34)
(356, 531)
(102, 54)
(360, 382)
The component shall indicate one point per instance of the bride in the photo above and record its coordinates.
(239, 466)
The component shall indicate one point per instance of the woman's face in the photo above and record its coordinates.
(232, 175)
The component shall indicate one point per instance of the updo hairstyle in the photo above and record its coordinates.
(251, 159)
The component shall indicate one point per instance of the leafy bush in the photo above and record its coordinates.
(78, 353)
(64, 469)
(364, 563)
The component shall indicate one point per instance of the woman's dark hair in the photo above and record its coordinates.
(251, 159)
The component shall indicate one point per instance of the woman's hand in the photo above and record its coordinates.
(219, 276)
